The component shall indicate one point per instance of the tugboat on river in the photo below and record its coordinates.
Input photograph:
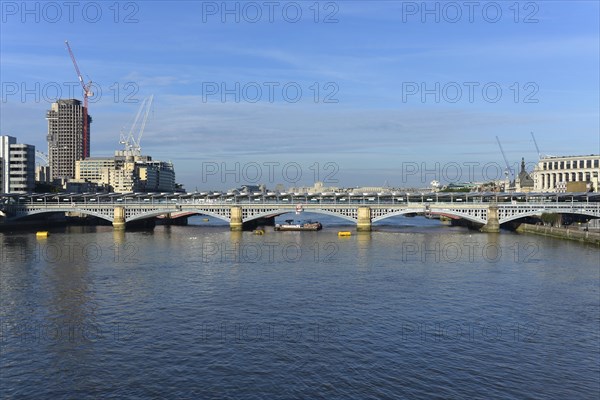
(305, 226)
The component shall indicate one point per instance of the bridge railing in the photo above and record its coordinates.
(392, 197)
(191, 204)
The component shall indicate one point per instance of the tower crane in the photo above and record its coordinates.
(131, 143)
(87, 92)
(508, 171)
(536, 146)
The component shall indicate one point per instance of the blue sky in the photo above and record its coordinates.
(371, 58)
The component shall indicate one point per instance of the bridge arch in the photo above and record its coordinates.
(395, 214)
(542, 211)
(156, 213)
(62, 210)
(272, 213)
(465, 216)
(457, 214)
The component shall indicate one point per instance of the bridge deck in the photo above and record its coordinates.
(475, 211)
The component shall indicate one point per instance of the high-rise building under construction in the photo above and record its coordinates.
(66, 137)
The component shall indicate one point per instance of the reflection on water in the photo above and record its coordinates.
(201, 312)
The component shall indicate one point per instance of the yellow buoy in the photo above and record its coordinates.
(344, 233)
(259, 232)
(42, 234)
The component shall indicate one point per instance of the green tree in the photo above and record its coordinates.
(550, 218)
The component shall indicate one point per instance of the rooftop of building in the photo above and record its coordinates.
(562, 157)
(99, 159)
(69, 101)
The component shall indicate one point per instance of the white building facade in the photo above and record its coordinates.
(554, 174)
(17, 166)
(5, 142)
(122, 174)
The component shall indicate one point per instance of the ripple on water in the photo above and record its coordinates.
(373, 319)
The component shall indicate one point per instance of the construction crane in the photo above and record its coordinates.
(131, 143)
(87, 92)
(508, 171)
(536, 147)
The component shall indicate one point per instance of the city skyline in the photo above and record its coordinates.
(367, 114)
(300, 199)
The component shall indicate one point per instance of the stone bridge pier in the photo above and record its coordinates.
(493, 222)
(364, 219)
(119, 218)
(236, 222)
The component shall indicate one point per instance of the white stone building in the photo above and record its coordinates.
(17, 166)
(553, 174)
(127, 173)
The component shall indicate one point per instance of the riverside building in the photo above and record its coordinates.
(125, 173)
(570, 173)
(17, 166)
(66, 137)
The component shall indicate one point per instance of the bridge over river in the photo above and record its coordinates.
(488, 210)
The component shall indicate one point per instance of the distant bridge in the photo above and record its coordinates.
(490, 211)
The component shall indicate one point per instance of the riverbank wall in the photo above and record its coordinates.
(581, 235)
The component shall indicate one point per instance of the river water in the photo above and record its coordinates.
(411, 310)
